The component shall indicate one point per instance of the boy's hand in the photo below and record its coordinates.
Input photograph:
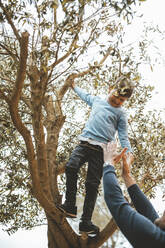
(73, 85)
(111, 155)
(119, 155)
(71, 79)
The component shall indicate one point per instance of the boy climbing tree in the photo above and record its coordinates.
(106, 118)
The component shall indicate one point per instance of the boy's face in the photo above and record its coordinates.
(116, 100)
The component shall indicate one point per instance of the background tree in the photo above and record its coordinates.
(44, 46)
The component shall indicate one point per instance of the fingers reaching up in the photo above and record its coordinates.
(120, 155)
(127, 162)
(110, 153)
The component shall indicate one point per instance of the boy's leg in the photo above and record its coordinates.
(94, 174)
(77, 159)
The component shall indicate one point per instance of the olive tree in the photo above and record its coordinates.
(44, 47)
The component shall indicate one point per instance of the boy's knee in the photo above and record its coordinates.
(90, 186)
(73, 164)
(70, 169)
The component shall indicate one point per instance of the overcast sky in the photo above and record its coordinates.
(153, 11)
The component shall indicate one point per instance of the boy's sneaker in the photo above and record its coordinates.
(88, 227)
(69, 211)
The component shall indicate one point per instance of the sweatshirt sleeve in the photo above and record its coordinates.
(112, 192)
(123, 133)
(86, 97)
(139, 229)
(141, 203)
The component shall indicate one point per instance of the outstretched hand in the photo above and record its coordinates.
(160, 222)
(112, 157)
(110, 153)
(127, 162)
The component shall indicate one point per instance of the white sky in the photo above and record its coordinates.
(153, 12)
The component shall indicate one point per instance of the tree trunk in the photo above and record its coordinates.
(58, 235)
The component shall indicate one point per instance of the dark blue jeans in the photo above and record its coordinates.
(93, 154)
(137, 226)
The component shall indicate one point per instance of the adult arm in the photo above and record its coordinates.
(140, 201)
(138, 229)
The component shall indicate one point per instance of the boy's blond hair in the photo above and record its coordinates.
(124, 87)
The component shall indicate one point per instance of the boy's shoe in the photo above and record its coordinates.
(88, 227)
(69, 211)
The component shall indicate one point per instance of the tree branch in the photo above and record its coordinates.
(4, 97)
(107, 232)
(8, 52)
(68, 82)
(74, 41)
(106, 56)
(71, 48)
(70, 79)
(8, 17)
(21, 73)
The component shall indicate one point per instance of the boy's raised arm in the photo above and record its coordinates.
(85, 96)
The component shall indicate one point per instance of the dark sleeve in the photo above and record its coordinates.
(138, 229)
(141, 203)
(112, 192)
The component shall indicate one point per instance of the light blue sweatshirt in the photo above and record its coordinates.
(104, 120)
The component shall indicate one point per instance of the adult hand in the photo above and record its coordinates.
(111, 155)
(127, 162)
(160, 222)
(126, 169)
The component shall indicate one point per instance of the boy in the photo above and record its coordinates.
(106, 118)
